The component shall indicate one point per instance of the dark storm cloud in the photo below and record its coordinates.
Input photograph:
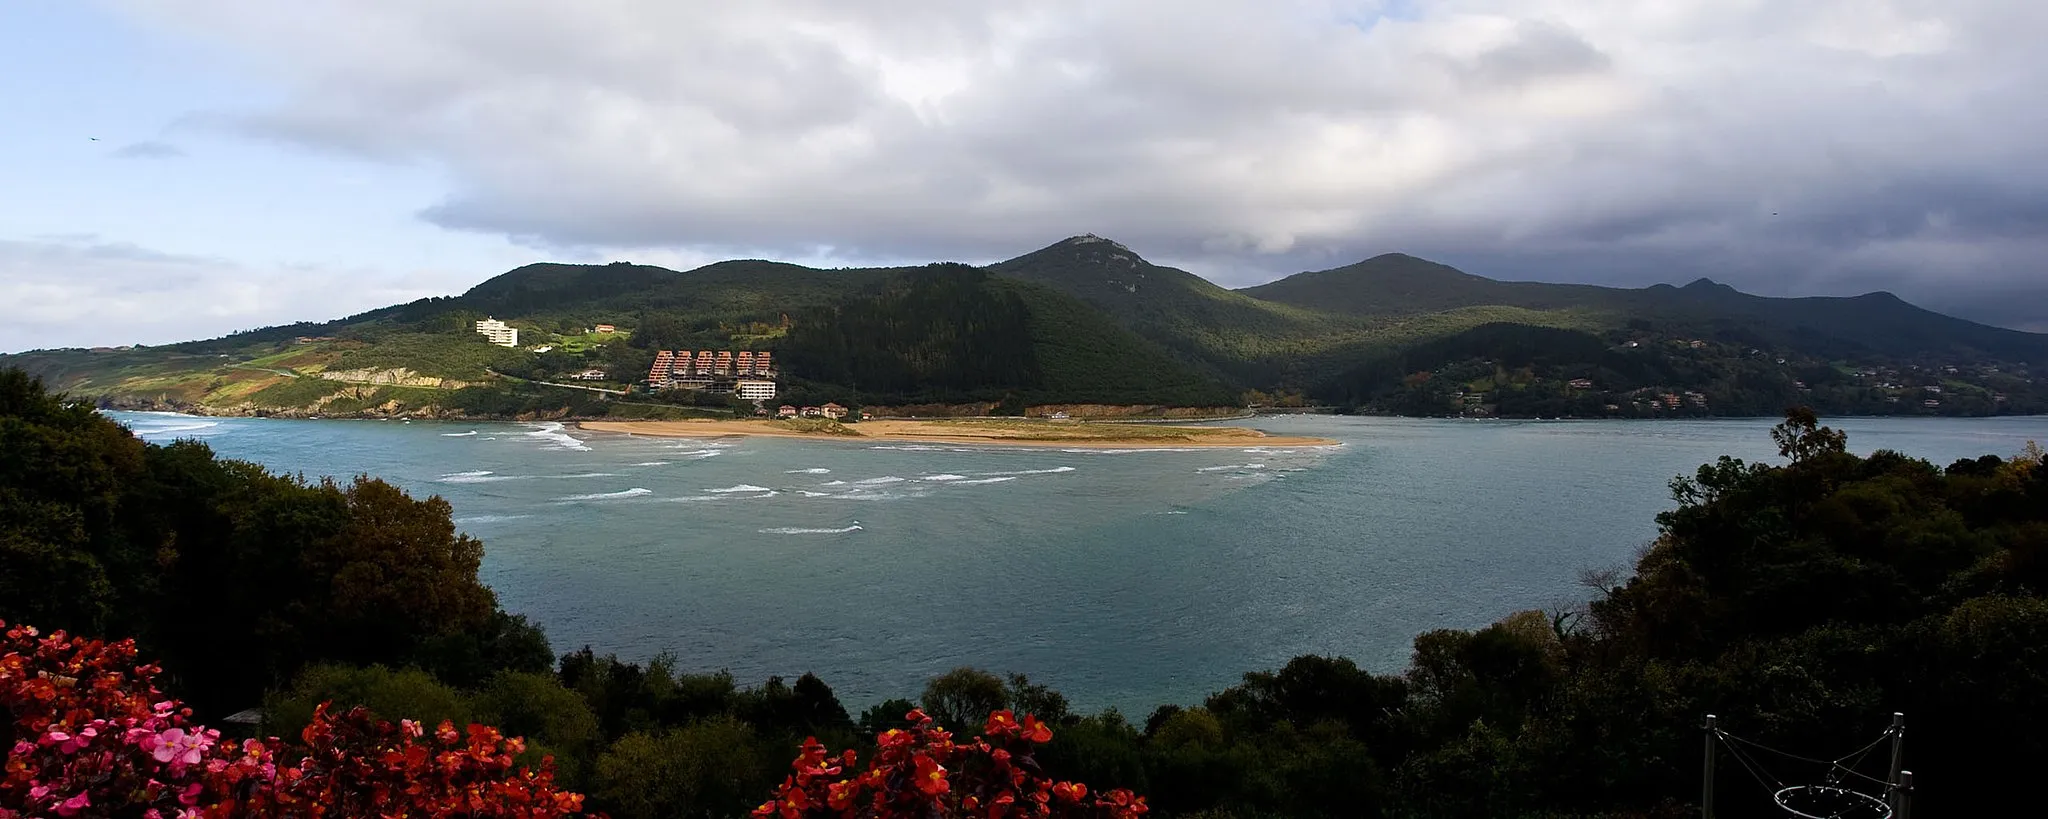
(1834, 146)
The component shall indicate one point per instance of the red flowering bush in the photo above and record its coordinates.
(89, 735)
(922, 772)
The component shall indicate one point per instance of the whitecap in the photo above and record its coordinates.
(943, 478)
(652, 463)
(985, 480)
(798, 530)
(624, 493)
(551, 432)
(809, 494)
(1227, 467)
(833, 483)
(1053, 471)
(880, 481)
(458, 434)
(175, 429)
(745, 487)
(816, 470)
(475, 519)
(700, 454)
(479, 476)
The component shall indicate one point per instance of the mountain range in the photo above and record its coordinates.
(1088, 321)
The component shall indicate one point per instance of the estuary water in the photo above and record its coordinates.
(1126, 578)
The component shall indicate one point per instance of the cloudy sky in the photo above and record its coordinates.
(183, 168)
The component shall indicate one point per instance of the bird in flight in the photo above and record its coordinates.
(95, 139)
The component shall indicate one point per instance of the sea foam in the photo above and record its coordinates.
(798, 530)
(624, 493)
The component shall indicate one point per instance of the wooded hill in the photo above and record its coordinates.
(1087, 320)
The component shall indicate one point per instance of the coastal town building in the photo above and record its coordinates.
(497, 333)
(707, 368)
(754, 389)
(832, 411)
(604, 328)
(589, 375)
(785, 411)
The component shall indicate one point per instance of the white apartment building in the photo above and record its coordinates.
(754, 390)
(499, 334)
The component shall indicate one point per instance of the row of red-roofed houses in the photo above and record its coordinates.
(832, 411)
(678, 367)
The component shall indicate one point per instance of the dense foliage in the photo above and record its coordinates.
(235, 576)
(1519, 370)
(953, 333)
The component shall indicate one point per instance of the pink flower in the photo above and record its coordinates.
(72, 806)
(181, 748)
(79, 740)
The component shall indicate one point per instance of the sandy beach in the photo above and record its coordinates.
(975, 431)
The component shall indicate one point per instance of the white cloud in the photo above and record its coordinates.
(80, 291)
(1250, 138)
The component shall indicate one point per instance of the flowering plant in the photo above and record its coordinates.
(89, 735)
(921, 772)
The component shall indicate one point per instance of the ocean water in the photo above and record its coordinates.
(1124, 578)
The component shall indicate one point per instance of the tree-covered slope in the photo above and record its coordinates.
(952, 333)
(1336, 335)
(1877, 324)
(1204, 324)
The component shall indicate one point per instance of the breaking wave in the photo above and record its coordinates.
(745, 487)
(798, 530)
(816, 470)
(1227, 467)
(624, 493)
(551, 432)
(458, 434)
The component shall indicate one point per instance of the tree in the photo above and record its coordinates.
(711, 768)
(964, 697)
(1802, 438)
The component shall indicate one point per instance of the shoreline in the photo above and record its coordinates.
(943, 432)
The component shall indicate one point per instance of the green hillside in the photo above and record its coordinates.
(950, 333)
(1228, 333)
(1087, 320)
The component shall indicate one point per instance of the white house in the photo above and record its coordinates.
(751, 389)
(497, 333)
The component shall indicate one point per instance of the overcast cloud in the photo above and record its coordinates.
(111, 294)
(1822, 146)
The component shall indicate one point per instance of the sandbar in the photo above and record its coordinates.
(976, 431)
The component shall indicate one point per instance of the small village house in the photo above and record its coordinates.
(832, 411)
(785, 411)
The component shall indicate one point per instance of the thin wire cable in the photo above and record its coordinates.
(1867, 748)
(1773, 785)
(1825, 763)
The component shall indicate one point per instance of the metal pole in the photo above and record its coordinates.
(1898, 733)
(1905, 809)
(1707, 777)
